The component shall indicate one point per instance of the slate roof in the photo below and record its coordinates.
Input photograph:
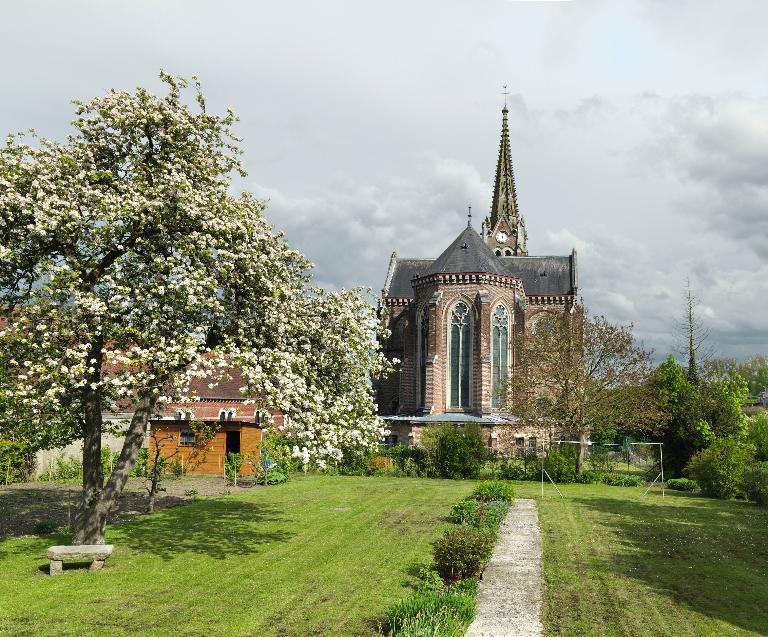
(467, 253)
(405, 270)
(541, 276)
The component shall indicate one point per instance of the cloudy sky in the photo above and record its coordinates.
(639, 129)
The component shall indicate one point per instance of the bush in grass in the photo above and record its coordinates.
(429, 580)
(622, 480)
(590, 476)
(720, 468)
(755, 483)
(682, 484)
(45, 527)
(462, 552)
(445, 612)
(380, 465)
(494, 490)
(465, 511)
(560, 467)
(276, 476)
(478, 514)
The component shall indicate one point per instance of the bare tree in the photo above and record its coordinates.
(693, 335)
(581, 373)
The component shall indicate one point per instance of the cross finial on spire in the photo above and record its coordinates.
(505, 92)
(469, 216)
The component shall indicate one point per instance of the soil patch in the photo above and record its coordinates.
(25, 504)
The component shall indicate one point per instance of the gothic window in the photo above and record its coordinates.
(461, 353)
(423, 347)
(499, 354)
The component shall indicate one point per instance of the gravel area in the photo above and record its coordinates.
(509, 596)
(24, 505)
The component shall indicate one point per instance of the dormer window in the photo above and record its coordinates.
(498, 253)
(507, 252)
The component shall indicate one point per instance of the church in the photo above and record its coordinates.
(454, 321)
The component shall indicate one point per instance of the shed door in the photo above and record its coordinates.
(233, 442)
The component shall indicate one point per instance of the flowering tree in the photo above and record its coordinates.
(127, 268)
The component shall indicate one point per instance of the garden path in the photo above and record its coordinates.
(509, 596)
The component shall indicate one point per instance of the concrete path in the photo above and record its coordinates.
(509, 596)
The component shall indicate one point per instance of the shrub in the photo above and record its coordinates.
(758, 435)
(176, 468)
(682, 484)
(429, 579)
(45, 527)
(440, 613)
(622, 480)
(590, 476)
(465, 511)
(141, 468)
(454, 452)
(490, 470)
(494, 490)
(233, 465)
(63, 467)
(486, 515)
(462, 552)
(354, 464)
(275, 476)
(755, 483)
(513, 470)
(719, 468)
(17, 462)
(380, 465)
(560, 467)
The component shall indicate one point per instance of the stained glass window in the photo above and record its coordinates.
(423, 348)
(460, 352)
(499, 354)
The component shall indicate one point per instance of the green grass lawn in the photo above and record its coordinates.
(267, 562)
(281, 562)
(619, 565)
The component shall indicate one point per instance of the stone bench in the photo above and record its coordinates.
(93, 553)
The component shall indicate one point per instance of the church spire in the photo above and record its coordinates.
(504, 194)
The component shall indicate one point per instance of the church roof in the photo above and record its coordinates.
(404, 271)
(543, 276)
(467, 253)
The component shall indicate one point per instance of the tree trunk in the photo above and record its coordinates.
(583, 449)
(91, 519)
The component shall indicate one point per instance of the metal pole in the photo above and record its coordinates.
(661, 460)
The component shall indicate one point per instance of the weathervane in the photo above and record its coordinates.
(505, 92)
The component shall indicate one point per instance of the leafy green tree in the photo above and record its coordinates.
(583, 374)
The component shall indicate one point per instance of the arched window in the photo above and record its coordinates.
(222, 415)
(507, 252)
(179, 414)
(461, 355)
(499, 354)
(423, 348)
(498, 252)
